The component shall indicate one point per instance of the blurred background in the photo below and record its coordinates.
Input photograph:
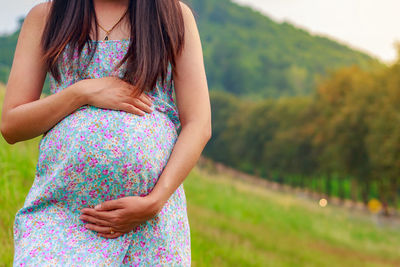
(303, 168)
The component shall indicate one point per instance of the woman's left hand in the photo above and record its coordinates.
(114, 218)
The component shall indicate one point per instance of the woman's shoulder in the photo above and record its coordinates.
(34, 23)
(188, 17)
(186, 10)
(38, 13)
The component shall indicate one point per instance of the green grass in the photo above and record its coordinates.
(233, 223)
(237, 224)
(17, 170)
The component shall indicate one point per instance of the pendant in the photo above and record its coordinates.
(106, 38)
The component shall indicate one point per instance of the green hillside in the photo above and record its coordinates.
(246, 53)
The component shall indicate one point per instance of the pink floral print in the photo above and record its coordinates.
(94, 155)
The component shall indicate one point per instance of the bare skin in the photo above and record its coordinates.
(125, 214)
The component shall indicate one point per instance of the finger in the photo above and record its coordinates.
(146, 99)
(109, 205)
(131, 109)
(103, 215)
(111, 236)
(121, 231)
(127, 227)
(150, 97)
(140, 105)
(98, 228)
(94, 220)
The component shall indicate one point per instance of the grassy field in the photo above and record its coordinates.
(235, 224)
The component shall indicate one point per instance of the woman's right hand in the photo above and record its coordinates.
(114, 93)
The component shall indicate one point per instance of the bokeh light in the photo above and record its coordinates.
(323, 202)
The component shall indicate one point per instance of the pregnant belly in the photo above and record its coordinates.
(97, 154)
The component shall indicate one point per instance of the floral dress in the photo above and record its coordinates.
(94, 155)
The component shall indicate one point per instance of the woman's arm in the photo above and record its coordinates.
(22, 119)
(26, 116)
(194, 112)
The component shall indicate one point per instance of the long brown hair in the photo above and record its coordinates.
(157, 37)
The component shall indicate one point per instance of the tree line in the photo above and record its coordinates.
(344, 140)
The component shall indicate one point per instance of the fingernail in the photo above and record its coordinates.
(97, 207)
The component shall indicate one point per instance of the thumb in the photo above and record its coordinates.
(109, 205)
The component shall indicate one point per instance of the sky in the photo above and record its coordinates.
(368, 25)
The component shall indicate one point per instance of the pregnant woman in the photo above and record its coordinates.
(115, 150)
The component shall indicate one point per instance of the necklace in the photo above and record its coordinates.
(109, 31)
